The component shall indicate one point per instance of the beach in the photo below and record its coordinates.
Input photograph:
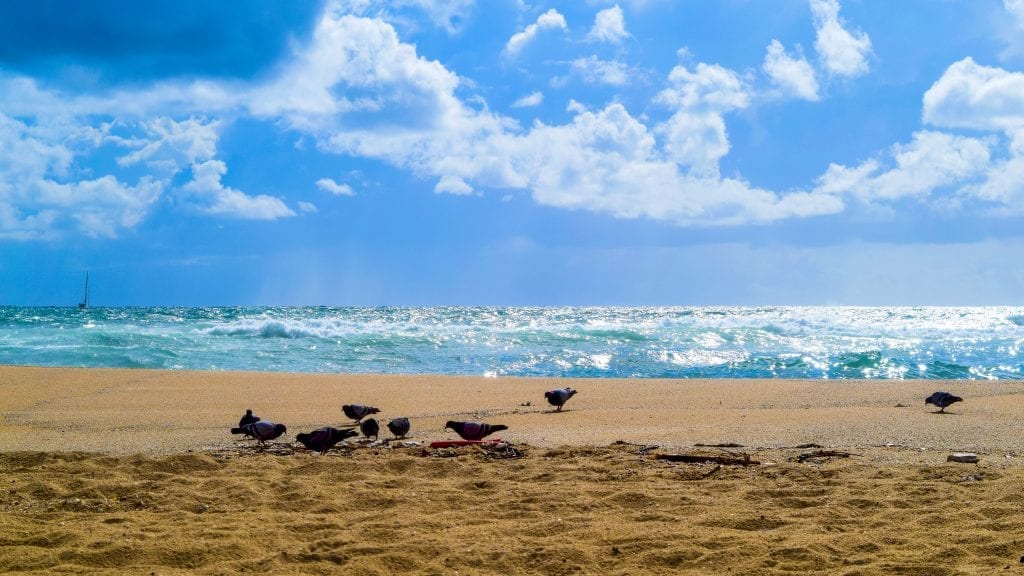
(134, 471)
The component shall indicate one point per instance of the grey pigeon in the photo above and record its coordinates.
(357, 411)
(399, 427)
(474, 430)
(559, 397)
(942, 399)
(323, 439)
(262, 430)
(248, 418)
(369, 427)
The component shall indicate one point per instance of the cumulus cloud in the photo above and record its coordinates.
(695, 135)
(42, 197)
(548, 20)
(609, 26)
(843, 53)
(793, 76)
(969, 95)
(453, 185)
(168, 145)
(593, 70)
(931, 161)
(529, 101)
(207, 194)
(329, 185)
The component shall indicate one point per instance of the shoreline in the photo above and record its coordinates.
(123, 411)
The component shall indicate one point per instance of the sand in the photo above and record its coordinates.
(133, 471)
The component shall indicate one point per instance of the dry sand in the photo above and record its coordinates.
(132, 471)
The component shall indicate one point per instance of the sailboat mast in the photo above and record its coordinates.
(85, 300)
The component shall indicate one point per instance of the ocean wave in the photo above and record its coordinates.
(685, 342)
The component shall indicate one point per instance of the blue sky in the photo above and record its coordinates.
(420, 152)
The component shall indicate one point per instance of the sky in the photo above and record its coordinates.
(512, 152)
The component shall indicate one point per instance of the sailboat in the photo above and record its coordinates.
(85, 303)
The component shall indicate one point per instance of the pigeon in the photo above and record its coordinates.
(559, 397)
(399, 427)
(357, 411)
(942, 399)
(249, 418)
(369, 427)
(474, 430)
(323, 439)
(262, 430)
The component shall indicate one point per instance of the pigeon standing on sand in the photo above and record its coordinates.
(942, 399)
(357, 411)
(248, 418)
(370, 427)
(323, 439)
(262, 430)
(559, 397)
(399, 427)
(474, 430)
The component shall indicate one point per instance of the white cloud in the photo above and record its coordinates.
(398, 89)
(307, 207)
(548, 20)
(695, 135)
(593, 70)
(932, 161)
(969, 95)
(169, 145)
(794, 76)
(207, 194)
(42, 196)
(453, 185)
(329, 185)
(529, 101)
(609, 26)
(842, 52)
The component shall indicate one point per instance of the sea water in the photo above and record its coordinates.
(643, 342)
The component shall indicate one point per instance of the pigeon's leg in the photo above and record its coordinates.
(559, 409)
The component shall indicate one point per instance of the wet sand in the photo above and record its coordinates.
(132, 471)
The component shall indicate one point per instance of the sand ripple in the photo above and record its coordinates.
(573, 510)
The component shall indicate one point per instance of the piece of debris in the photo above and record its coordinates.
(712, 471)
(527, 403)
(823, 454)
(963, 457)
(646, 449)
(901, 405)
(727, 459)
(723, 445)
(808, 446)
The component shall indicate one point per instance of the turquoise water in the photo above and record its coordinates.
(674, 342)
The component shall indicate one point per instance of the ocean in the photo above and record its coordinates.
(636, 342)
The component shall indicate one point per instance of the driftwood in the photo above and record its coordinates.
(823, 454)
(702, 457)
(724, 445)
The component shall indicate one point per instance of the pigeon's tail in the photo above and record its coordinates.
(498, 427)
(238, 430)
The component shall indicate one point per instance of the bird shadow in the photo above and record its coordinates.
(564, 410)
(940, 413)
